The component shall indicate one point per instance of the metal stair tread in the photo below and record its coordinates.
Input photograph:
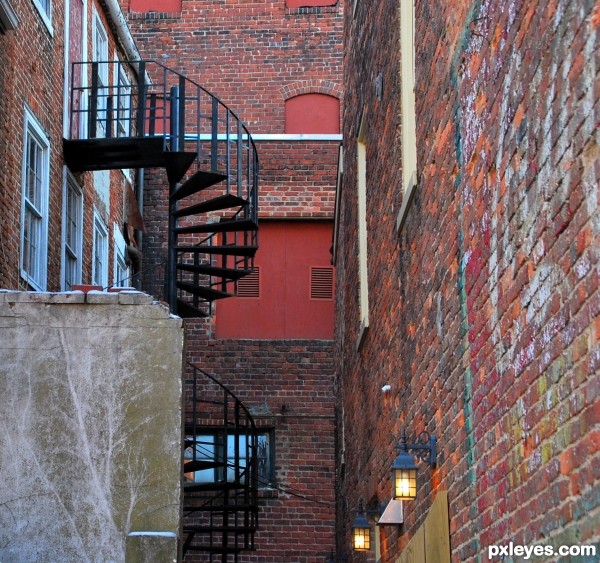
(188, 311)
(228, 273)
(215, 204)
(220, 227)
(202, 291)
(197, 182)
(229, 250)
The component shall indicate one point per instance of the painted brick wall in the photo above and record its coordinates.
(484, 309)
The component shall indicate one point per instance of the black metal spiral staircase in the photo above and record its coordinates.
(221, 471)
(209, 156)
(211, 166)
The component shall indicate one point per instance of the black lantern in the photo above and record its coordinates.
(404, 470)
(361, 532)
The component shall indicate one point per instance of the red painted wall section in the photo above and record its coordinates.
(312, 113)
(155, 5)
(284, 308)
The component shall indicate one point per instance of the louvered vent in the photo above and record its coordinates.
(249, 286)
(321, 283)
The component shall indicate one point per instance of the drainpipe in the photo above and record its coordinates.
(118, 18)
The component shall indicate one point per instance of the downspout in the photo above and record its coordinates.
(122, 28)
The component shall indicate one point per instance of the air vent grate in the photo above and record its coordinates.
(321, 283)
(249, 286)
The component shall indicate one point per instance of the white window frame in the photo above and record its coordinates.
(363, 272)
(409, 121)
(100, 55)
(120, 268)
(100, 252)
(45, 13)
(34, 252)
(73, 225)
(123, 103)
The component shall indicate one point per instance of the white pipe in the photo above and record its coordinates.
(118, 18)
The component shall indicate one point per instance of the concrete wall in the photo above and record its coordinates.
(90, 445)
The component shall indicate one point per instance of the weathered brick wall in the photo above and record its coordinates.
(484, 309)
(250, 55)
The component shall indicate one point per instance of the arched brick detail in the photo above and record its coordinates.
(312, 86)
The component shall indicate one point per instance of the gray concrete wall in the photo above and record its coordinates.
(90, 425)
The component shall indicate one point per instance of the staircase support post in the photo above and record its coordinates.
(172, 244)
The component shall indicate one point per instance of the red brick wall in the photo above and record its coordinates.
(31, 76)
(287, 384)
(34, 77)
(484, 309)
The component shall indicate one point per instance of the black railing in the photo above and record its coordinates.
(220, 470)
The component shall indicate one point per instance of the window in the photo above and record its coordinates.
(363, 277)
(312, 113)
(34, 223)
(121, 278)
(213, 449)
(100, 56)
(123, 104)
(44, 8)
(308, 3)
(73, 221)
(100, 253)
(8, 18)
(409, 139)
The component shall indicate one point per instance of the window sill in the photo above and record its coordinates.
(406, 202)
(268, 492)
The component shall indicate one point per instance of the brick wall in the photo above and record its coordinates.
(34, 78)
(31, 77)
(287, 385)
(484, 309)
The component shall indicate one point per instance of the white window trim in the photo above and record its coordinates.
(103, 69)
(119, 74)
(71, 183)
(120, 259)
(33, 127)
(46, 16)
(8, 17)
(99, 226)
(409, 126)
(363, 272)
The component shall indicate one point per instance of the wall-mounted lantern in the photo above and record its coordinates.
(404, 470)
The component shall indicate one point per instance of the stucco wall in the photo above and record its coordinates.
(90, 422)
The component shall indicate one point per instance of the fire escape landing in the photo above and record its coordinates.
(211, 166)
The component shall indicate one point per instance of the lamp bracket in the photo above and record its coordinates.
(425, 447)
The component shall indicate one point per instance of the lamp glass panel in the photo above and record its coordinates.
(361, 539)
(405, 484)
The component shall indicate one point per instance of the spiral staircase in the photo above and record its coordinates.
(170, 122)
(211, 167)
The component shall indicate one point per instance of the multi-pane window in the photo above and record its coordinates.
(44, 7)
(123, 105)
(100, 56)
(218, 453)
(34, 235)
(73, 234)
(100, 253)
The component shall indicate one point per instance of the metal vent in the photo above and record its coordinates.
(249, 286)
(321, 283)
